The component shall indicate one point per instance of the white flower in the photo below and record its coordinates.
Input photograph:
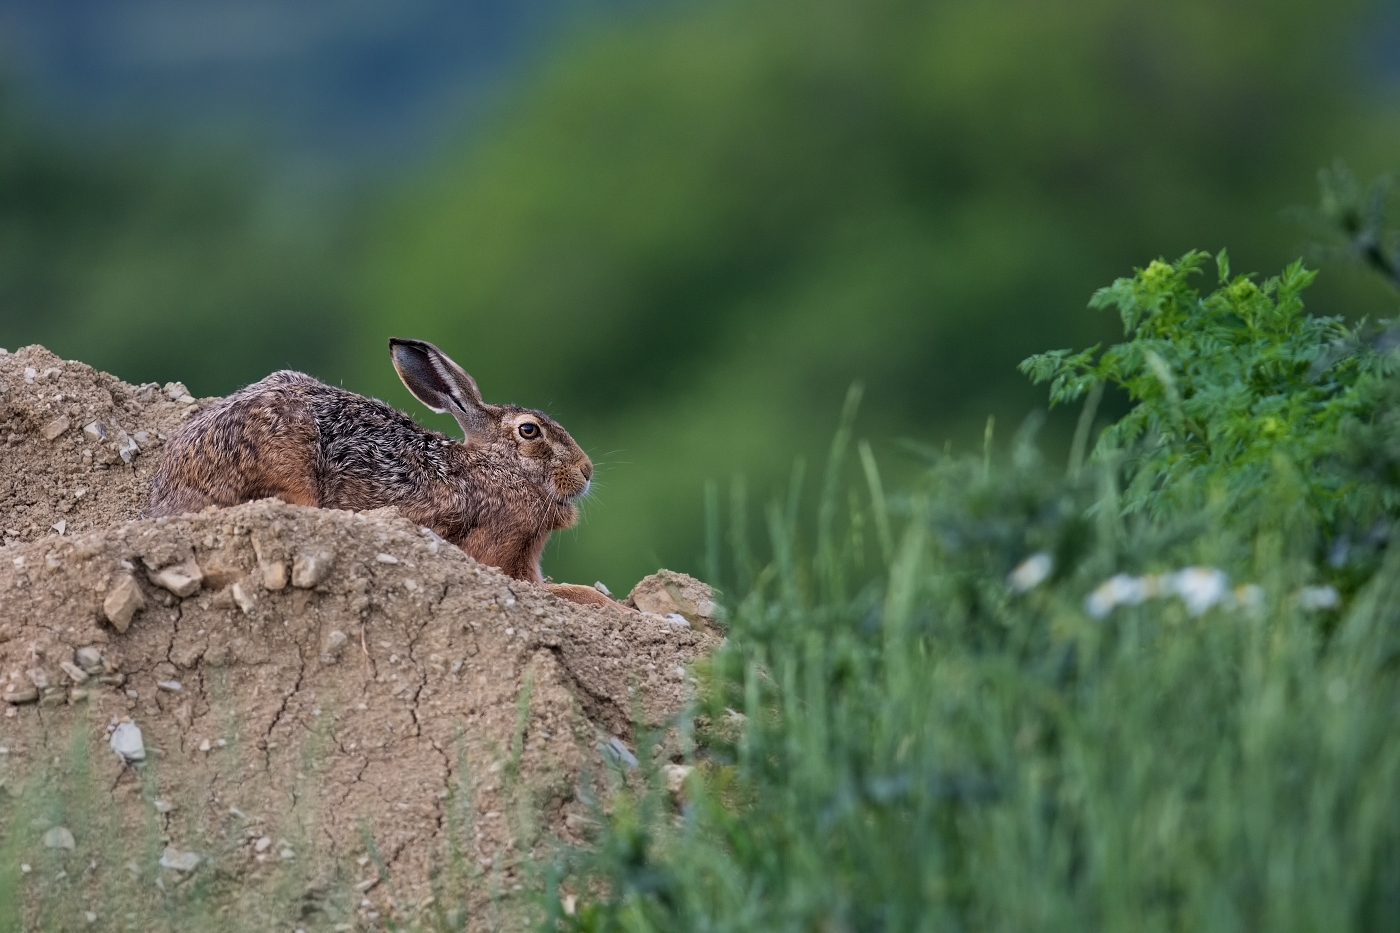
(1199, 587)
(1030, 572)
(1118, 590)
(1319, 597)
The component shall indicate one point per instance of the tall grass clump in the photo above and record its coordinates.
(1155, 691)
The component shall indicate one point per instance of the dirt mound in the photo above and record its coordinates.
(342, 719)
(79, 445)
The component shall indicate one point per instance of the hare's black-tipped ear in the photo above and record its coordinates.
(438, 382)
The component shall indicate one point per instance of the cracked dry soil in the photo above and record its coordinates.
(346, 719)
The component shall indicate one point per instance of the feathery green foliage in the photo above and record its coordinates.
(1226, 388)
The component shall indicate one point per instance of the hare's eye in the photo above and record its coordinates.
(529, 430)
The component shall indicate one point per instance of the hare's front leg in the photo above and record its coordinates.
(587, 595)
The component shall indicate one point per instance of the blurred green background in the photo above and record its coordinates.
(683, 230)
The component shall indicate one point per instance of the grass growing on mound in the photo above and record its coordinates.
(995, 701)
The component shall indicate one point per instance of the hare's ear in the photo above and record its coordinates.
(439, 383)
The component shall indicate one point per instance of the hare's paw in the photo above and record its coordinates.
(586, 595)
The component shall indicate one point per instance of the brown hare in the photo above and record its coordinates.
(497, 495)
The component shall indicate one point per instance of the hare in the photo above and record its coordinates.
(497, 495)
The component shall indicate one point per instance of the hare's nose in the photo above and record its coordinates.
(587, 471)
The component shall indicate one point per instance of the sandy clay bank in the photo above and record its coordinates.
(283, 712)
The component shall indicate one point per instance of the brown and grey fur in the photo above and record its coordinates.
(497, 495)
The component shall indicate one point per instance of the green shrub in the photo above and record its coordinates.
(1031, 717)
(1228, 389)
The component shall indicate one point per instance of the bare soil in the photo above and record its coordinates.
(345, 720)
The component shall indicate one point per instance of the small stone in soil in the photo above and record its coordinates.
(126, 447)
(56, 427)
(59, 837)
(675, 777)
(74, 672)
(179, 861)
(89, 659)
(182, 579)
(243, 598)
(123, 601)
(126, 742)
(616, 750)
(310, 568)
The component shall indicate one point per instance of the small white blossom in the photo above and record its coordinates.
(1030, 572)
(1319, 597)
(1118, 590)
(1199, 587)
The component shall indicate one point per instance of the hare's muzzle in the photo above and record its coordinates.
(572, 481)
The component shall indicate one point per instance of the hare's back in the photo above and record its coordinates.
(371, 454)
(293, 437)
(260, 441)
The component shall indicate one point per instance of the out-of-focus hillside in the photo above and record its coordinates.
(326, 87)
(686, 239)
(685, 232)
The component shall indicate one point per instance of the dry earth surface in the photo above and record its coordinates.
(274, 717)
